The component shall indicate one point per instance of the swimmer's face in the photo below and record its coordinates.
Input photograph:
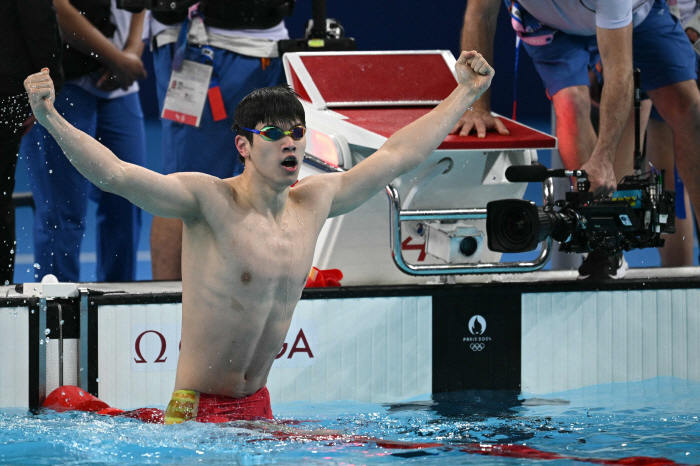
(278, 160)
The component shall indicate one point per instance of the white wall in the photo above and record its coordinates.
(572, 340)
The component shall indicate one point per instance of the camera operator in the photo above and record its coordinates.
(243, 37)
(562, 37)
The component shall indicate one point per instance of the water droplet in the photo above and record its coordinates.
(47, 331)
(37, 266)
(41, 342)
(97, 379)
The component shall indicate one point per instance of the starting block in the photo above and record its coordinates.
(354, 101)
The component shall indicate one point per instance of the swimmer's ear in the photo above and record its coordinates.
(243, 146)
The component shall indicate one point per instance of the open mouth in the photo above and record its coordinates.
(290, 163)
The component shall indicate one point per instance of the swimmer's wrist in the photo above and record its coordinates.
(468, 95)
(46, 118)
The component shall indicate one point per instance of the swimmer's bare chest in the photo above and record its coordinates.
(242, 278)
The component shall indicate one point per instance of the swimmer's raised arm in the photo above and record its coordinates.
(411, 145)
(165, 196)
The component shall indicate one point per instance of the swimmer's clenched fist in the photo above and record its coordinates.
(473, 70)
(41, 93)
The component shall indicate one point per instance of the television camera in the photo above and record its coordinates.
(633, 217)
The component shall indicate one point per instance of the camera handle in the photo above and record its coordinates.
(540, 173)
(637, 123)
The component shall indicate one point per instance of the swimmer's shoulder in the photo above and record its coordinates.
(316, 184)
(202, 184)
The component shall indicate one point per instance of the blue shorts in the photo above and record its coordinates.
(210, 148)
(61, 192)
(661, 50)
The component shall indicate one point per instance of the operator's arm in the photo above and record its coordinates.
(78, 32)
(615, 47)
(480, 20)
(411, 145)
(133, 46)
(165, 196)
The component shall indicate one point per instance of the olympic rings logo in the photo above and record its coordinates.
(477, 346)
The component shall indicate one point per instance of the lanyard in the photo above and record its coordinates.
(181, 44)
(216, 101)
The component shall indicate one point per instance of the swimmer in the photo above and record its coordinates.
(248, 241)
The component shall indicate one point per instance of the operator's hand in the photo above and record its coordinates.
(128, 69)
(473, 71)
(479, 120)
(41, 93)
(601, 176)
(107, 82)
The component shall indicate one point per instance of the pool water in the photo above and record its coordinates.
(654, 418)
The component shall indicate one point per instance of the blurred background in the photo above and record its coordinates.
(375, 25)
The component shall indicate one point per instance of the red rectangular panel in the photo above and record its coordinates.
(381, 78)
(388, 120)
(180, 117)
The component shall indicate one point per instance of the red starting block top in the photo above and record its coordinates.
(384, 91)
(387, 120)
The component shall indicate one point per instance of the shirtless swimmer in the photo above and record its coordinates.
(248, 241)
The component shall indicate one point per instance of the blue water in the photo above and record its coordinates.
(656, 418)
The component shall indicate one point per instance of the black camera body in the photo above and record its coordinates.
(155, 5)
(633, 217)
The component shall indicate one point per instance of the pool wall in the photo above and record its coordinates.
(375, 344)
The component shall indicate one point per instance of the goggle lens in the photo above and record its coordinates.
(297, 132)
(273, 133)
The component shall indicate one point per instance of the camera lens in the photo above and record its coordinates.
(468, 246)
(513, 225)
(517, 226)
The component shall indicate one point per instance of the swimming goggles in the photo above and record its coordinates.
(273, 133)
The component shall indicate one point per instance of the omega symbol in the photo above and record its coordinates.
(137, 347)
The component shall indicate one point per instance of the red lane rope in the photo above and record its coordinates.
(70, 398)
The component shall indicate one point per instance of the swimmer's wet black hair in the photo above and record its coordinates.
(278, 106)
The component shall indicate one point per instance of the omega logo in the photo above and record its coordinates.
(163, 346)
(296, 347)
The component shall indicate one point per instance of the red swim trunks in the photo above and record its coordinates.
(185, 405)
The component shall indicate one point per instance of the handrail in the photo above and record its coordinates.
(397, 216)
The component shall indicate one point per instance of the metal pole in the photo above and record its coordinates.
(318, 31)
(83, 372)
(60, 346)
(637, 109)
(42, 350)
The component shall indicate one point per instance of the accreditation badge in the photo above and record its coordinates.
(187, 91)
